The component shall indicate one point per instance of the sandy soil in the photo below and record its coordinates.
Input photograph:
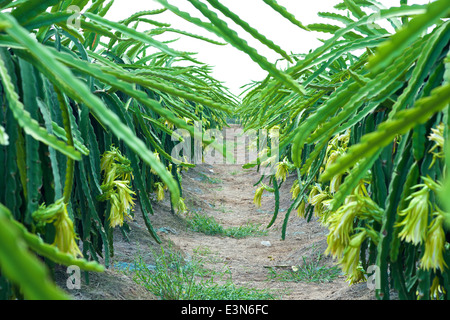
(226, 193)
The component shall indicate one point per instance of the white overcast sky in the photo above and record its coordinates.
(231, 66)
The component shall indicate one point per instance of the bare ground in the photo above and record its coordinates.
(224, 192)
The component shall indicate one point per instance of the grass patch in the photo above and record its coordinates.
(175, 278)
(206, 255)
(208, 179)
(223, 209)
(209, 226)
(312, 270)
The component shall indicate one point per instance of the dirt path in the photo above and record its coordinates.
(226, 192)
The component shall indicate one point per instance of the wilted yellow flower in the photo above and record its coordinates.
(350, 259)
(436, 289)
(121, 204)
(258, 195)
(116, 216)
(157, 157)
(318, 203)
(338, 143)
(333, 144)
(356, 277)
(114, 158)
(181, 207)
(340, 226)
(437, 135)
(361, 189)
(121, 200)
(325, 209)
(115, 166)
(344, 138)
(341, 222)
(159, 191)
(125, 194)
(107, 159)
(116, 186)
(65, 236)
(434, 245)
(316, 198)
(301, 209)
(414, 225)
(282, 170)
(295, 189)
(110, 172)
(315, 190)
(335, 183)
(332, 158)
(337, 179)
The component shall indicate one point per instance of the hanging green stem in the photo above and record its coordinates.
(68, 128)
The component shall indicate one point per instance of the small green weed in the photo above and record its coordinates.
(205, 254)
(208, 225)
(224, 209)
(175, 278)
(208, 179)
(312, 270)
